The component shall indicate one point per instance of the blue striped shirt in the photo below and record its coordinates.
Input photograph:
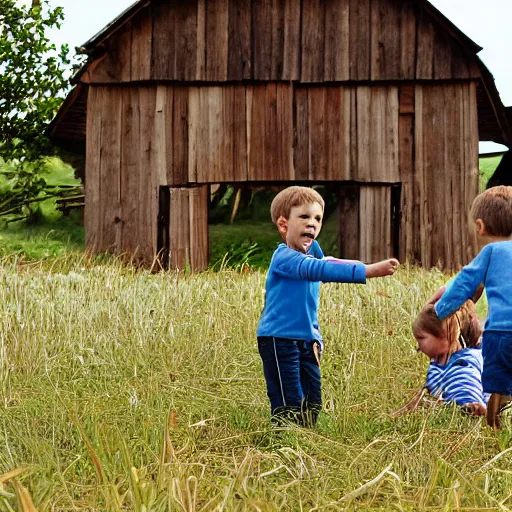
(459, 380)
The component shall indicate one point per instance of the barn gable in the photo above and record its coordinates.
(308, 42)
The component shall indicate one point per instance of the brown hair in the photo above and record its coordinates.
(494, 207)
(463, 325)
(291, 197)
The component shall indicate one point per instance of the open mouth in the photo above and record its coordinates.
(309, 235)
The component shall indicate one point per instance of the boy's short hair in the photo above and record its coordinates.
(290, 198)
(494, 207)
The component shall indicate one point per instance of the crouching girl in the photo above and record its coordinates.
(453, 347)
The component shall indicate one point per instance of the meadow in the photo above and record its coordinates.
(126, 390)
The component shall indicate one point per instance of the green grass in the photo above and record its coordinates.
(487, 167)
(47, 240)
(126, 390)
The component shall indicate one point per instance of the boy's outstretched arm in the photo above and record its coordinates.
(382, 268)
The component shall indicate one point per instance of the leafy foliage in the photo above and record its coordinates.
(32, 78)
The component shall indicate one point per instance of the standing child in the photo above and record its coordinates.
(289, 339)
(491, 212)
(453, 347)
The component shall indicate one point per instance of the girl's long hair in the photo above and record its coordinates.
(462, 327)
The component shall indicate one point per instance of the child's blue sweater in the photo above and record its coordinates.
(493, 268)
(293, 289)
(459, 380)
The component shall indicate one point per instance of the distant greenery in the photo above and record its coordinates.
(29, 190)
(487, 168)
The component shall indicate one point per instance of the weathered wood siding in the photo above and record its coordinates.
(121, 184)
(423, 137)
(281, 40)
(438, 133)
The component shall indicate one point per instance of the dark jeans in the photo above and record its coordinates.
(293, 379)
(497, 354)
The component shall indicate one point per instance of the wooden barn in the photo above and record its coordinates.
(384, 99)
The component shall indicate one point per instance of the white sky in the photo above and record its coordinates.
(486, 22)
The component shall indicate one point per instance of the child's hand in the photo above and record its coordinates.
(437, 295)
(382, 268)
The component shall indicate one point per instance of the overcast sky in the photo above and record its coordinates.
(487, 22)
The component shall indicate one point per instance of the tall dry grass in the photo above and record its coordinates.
(126, 390)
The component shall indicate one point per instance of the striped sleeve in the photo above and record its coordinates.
(462, 383)
(434, 380)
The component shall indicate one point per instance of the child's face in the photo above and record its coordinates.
(302, 226)
(434, 347)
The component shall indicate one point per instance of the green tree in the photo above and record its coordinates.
(32, 82)
(32, 77)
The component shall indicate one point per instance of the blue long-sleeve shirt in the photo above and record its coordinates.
(493, 268)
(459, 380)
(293, 290)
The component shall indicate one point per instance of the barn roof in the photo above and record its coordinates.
(495, 123)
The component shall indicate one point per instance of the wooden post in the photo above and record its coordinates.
(188, 228)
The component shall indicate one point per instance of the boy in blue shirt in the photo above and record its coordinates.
(289, 339)
(491, 212)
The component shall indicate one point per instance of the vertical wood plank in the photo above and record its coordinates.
(110, 169)
(360, 38)
(364, 130)
(180, 133)
(278, 21)
(130, 171)
(238, 131)
(217, 14)
(313, 41)
(186, 39)
(337, 149)
(337, 37)
(291, 50)
(301, 142)
(406, 98)
(92, 216)
(179, 231)
(354, 134)
(318, 134)
(163, 59)
(142, 34)
(148, 188)
(162, 135)
(421, 235)
(284, 122)
(385, 53)
(201, 41)
(194, 136)
(262, 39)
(472, 163)
(407, 41)
(198, 228)
(443, 50)
(408, 213)
(425, 48)
(240, 44)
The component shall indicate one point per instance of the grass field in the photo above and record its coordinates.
(125, 390)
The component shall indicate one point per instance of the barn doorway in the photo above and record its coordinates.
(369, 221)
